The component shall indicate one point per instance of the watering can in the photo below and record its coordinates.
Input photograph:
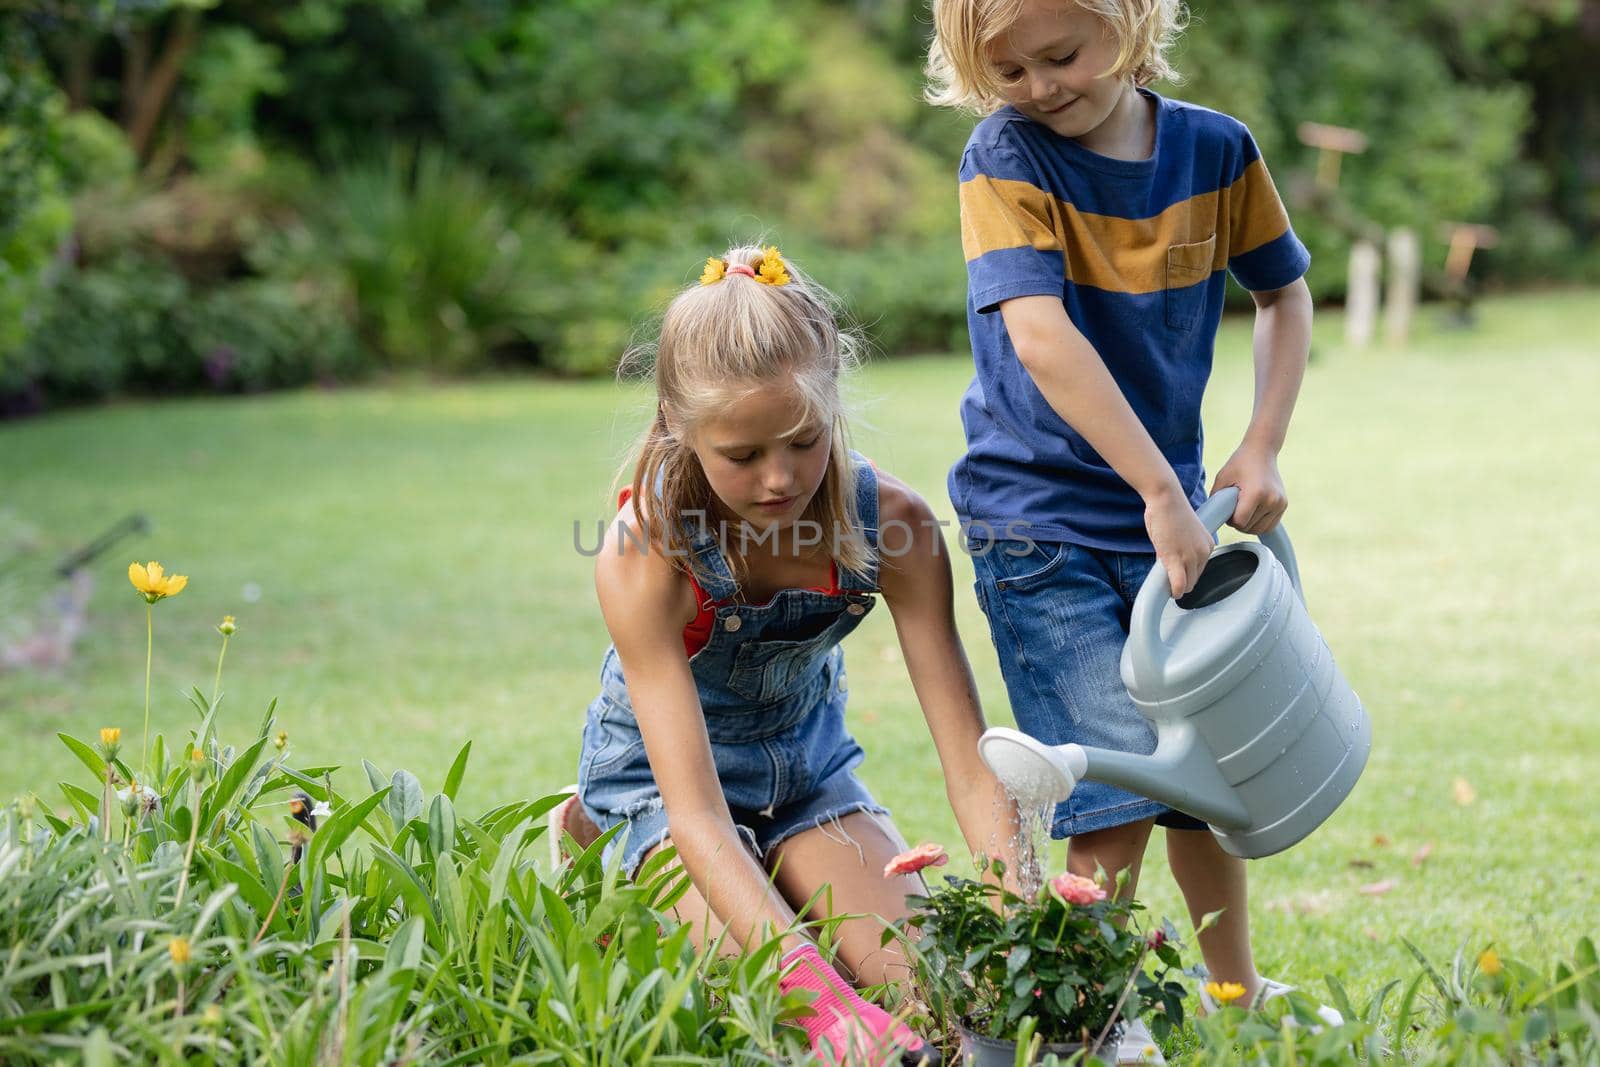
(1257, 731)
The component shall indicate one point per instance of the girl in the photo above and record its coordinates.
(751, 542)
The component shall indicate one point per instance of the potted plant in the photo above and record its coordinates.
(1064, 965)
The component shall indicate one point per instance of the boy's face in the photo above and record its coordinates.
(761, 467)
(1053, 60)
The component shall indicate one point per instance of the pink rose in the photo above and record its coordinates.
(1075, 889)
(927, 854)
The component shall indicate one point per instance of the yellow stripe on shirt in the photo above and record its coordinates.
(1116, 254)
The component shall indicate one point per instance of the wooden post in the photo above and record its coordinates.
(1361, 302)
(1466, 238)
(1405, 282)
(1332, 144)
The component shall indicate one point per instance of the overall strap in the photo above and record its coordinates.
(866, 479)
(709, 566)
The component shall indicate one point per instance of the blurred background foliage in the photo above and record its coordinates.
(224, 195)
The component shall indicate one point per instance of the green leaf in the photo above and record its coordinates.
(452, 780)
(40, 1020)
(91, 759)
(255, 892)
(405, 798)
(221, 795)
(441, 825)
(416, 895)
(340, 825)
(405, 946)
(266, 720)
(97, 1052)
(87, 803)
(503, 862)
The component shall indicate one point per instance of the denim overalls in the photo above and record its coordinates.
(772, 687)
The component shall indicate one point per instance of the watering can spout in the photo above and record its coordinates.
(1181, 773)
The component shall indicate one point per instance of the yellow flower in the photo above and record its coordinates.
(152, 581)
(226, 626)
(772, 271)
(714, 271)
(281, 740)
(178, 949)
(1225, 992)
(1489, 962)
(110, 735)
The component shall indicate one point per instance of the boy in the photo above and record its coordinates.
(1098, 223)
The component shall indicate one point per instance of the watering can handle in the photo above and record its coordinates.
(1145, 629)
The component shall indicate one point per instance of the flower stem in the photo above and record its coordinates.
(105, 804)
(283, 887)
(216, 686)
(188, 855)
(149, 648)
(1116, 1009)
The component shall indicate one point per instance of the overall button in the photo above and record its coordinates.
(732, 623)
(856, 609)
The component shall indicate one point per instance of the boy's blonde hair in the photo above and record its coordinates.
(961, 75)
(724, 340)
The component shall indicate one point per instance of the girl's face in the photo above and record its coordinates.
(761, 467)
(1053, 58)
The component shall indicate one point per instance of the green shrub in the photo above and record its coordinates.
(266, 334)
(440, 267)
(136, 325)
(167, 916)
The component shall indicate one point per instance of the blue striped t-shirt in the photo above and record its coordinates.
(1139, 252)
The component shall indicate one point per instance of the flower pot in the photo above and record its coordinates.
(980, 1051)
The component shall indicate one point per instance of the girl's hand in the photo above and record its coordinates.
(844, 1030)
(1262, 497)
(1181, 541)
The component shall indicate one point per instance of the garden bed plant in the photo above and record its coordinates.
(207, 901)
(1061, 968)
(212, 901)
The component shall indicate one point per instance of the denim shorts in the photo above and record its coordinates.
(777, 785)
(1058, 613)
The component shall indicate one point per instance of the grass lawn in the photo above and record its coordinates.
(410, 551)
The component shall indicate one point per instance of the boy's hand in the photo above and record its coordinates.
(1182, 542)
(1262, 497)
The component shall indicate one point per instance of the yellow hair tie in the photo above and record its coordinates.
(770, 272)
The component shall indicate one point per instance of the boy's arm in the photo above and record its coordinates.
(1282, 346)
(1074, 380)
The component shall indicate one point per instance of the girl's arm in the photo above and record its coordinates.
(646, 604)
(914, 575)
(1282, 346)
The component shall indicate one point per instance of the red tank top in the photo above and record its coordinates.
(698, 632)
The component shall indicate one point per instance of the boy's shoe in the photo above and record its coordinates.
(1268, 990)
(568, 817)
(1137, 1046)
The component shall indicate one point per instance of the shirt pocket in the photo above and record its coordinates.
(1188, 268)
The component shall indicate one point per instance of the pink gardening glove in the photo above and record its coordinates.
(845, 1030)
